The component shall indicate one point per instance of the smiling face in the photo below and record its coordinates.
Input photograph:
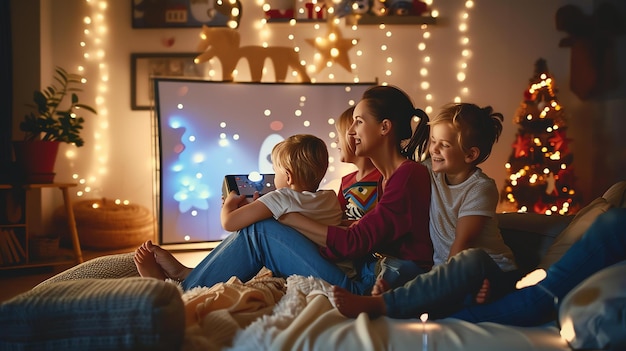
(365, 130)
(345, 145)
(446, 153)
(345, 142)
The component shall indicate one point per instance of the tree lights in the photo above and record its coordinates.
(541, 176)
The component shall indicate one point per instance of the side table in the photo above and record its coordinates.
(22, 235)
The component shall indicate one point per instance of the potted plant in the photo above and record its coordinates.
(49, 124)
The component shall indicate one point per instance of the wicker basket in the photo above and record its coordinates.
(103, 224)
(41, 247)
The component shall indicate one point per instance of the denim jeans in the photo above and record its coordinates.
(603, 245)
(281, 249)
(397, 272)
(448, 287)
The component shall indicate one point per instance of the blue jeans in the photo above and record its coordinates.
(603, 245)
(397, 272)
(281, 249)
(448, 287)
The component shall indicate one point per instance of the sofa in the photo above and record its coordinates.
(103, 304)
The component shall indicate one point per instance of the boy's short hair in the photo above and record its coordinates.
(476, 126)
(305, 156)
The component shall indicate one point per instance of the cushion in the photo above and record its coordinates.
(593, 315)
(616, 194)
(574, 231)
(529, 235)
(94, 314)
(103, 267)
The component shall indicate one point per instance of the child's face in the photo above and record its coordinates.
(345, 145)
(445, 151)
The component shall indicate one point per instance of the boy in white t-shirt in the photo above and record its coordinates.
(300, 163)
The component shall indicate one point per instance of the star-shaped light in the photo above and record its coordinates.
(333, 48)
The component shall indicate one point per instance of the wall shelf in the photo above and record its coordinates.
(366, 20)
(375, 20)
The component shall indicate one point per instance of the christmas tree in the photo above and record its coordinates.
(541, 176)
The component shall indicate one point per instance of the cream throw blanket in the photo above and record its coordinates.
(250, 316)
(215, 314)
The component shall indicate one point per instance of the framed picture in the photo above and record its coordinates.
(182, 13)
(144, 67)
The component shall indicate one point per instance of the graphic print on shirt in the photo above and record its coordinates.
(361, 197)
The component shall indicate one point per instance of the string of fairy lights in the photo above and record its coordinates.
(466, 53)
(384, 49)
(93, 45)
(94, 54)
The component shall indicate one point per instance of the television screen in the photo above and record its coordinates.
(209, 129)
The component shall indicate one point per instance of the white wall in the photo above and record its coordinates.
(505, 39)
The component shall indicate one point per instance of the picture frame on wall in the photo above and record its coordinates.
(144, 67)
(180, 13)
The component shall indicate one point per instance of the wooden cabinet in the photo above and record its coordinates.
(16, 249)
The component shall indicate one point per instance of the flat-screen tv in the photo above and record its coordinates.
(209, 129)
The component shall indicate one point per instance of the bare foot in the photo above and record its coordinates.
(380, 287)
(147, 265)
(484, 293)
(351, 305)
(170, 266)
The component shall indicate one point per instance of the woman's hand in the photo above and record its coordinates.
(312, 229)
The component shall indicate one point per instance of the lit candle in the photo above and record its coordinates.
(424, 318)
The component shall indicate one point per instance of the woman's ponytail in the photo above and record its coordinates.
(416, 147)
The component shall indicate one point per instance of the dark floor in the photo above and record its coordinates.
(19, 280)
(16, 281)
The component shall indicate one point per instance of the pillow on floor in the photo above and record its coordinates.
(94, 314)
(593, 315)
(574, 231)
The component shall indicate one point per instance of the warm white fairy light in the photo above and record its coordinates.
(464, 41)
(386, 33)
(95, 31)
(423, 63)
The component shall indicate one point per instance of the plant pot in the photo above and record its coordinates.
(35, 160)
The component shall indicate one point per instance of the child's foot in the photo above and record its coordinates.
(170, 266)
(147, 265)
(380, 287)
(351, 305)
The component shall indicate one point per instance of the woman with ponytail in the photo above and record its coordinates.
(394, 235)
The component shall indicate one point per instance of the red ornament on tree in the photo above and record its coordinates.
(521, 146)
(560, 142)
(528, 96)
